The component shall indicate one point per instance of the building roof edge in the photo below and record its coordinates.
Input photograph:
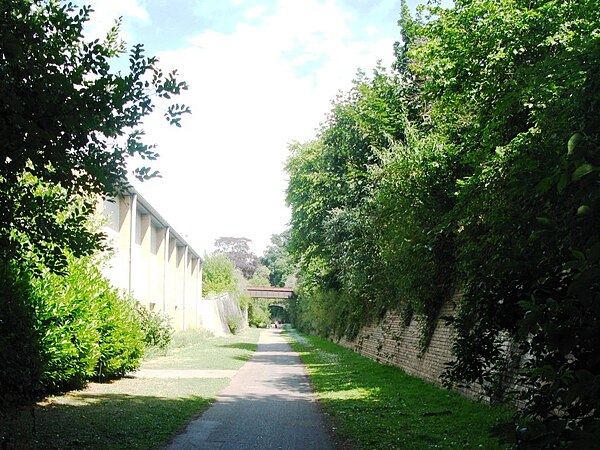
(160, 219)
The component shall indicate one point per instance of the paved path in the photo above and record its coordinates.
(269, 404)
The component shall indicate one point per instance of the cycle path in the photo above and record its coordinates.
(269, 404)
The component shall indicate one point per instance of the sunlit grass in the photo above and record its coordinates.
(227, 353)
(348, 394)
(131, 413)
(378, 406)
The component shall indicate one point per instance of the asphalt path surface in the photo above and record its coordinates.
(269, 404)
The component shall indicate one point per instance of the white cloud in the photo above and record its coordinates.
(104, 14)
(255, 12)
(372, 30)
(252, 92)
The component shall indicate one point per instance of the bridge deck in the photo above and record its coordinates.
(269, 292)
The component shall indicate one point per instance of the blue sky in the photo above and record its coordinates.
(262, 74)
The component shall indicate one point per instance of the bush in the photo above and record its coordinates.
(20, 368)
(258, 313)
(85, 328)
(121, 345)
(156, 328)
(67, 310)
(234, 323)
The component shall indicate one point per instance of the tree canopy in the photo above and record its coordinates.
(218, 275)
(66, 119)
(238, 251)
(279, 261)
(472, 166)
(68, 127)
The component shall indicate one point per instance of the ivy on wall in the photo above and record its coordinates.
(473, 164)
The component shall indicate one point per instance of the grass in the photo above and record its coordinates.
(378, 406)
(227, 353)
(131, 413)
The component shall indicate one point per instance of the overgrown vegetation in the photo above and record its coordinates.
(377, 406)
(234, 323)
(71, 329)
(218, 275)
(156, 328)
(68, 126)
(472, 165)
(258, 313)
(86, 329)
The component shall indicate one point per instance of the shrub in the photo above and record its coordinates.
(243, 299)
(20, 368)
(67, 310)
(234, 323)
(85, 327)
(258, 313)
(122, 338)
(156, 328)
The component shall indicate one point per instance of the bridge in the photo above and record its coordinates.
(269, 292)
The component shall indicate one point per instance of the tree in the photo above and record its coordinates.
(68, 126)
(67, 120)
(238, 251)
(279, 261)
(218, 275)
(334, 231)
(474, 168)
(514, 87)
(260, 277)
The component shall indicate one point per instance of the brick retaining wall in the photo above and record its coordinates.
(390, 342)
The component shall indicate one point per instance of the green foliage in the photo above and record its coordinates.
(86, 329)
(317, 313)
(60, 331)
(218, 275)
(234, 323)
(156, 328)
(243, 299)
(258, 313)
(279, 261)
(517, 89)
(67, 308)
(21, 366)
(260, 277)
(68, 120)
(68, 126)
(121, 335)
(358, 214)
(473, 167)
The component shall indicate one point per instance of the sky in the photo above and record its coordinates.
(261, 75)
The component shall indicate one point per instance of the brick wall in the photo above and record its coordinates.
(390, 342)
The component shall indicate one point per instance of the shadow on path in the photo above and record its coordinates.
(268, 405)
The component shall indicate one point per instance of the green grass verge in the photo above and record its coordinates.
(228, 353)
(130, 413)
(378, 406)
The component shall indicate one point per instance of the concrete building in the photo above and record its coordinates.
(151, 261)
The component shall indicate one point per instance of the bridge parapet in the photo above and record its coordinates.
(269, 292)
